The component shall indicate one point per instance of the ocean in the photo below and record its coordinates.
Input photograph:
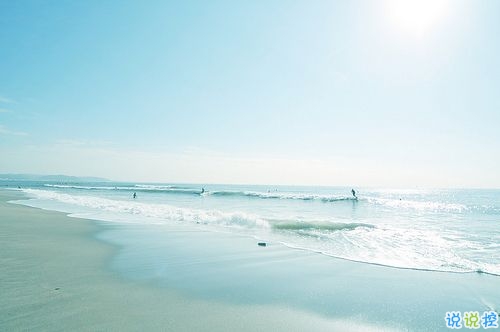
(449, 230)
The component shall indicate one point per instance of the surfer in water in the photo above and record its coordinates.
(354, 194)
(134, 195)
(202, 190)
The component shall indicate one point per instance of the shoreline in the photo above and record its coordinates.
(173, 273)
(56, 276)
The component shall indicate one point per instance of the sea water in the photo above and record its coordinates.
(455, 230)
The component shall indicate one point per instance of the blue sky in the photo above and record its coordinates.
(283, 92)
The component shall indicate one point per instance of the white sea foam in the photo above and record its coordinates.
(157, 212)
(394, 247)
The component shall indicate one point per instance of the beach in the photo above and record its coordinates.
(64, 273)
(249, 166)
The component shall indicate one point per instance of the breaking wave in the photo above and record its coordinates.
(319, 226)
(275, 195)
(160, 213)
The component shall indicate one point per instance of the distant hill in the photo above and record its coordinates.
(52, 178)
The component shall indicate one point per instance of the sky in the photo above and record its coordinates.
(358, 93)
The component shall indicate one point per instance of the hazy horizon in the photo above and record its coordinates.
(394, 94)
(90, 179)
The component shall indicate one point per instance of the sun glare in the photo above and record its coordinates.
(416, 16)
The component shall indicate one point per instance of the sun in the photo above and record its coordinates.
(416, 16)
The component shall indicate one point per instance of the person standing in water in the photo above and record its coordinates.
(354, 193)
(134, 195)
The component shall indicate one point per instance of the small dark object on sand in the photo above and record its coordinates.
(262, 244)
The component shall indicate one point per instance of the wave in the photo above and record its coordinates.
(319, 226)
(139, 188)
(159, 187)
(167, 212)
(173, 189)
(284, 196)
(489, 269)
(159, 213)
(67, 186)
(424, 250)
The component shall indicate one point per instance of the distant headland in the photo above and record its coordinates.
(58, 178)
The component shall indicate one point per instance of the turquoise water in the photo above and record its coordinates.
(427, 229)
